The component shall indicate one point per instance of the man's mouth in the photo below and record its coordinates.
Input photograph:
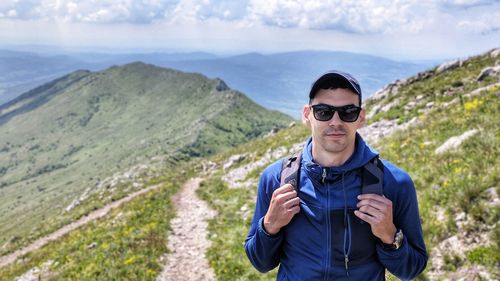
(335, 134)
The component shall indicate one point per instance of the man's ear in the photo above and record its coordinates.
(362, 119)
(306, 115)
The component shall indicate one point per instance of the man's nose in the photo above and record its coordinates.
(335, 119)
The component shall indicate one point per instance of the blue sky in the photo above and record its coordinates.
(404, 29)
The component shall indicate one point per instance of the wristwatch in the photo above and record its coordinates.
(398, 240)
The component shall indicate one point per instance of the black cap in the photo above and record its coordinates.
(336, 75)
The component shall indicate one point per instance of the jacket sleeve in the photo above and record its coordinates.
(263, 250)
(410, 259)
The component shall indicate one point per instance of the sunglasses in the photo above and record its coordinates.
(325, 112)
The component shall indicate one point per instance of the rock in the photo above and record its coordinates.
(388, 90)
(477, 92)
(390, 105)
(420, 76)
(488, 71)
(292, 124)
(461, 217)
(234, 177)
(208, 166)
(471, 273)
(271, 133)
(419, 98)
(455, 142)
(448, 66)
(493, 199)
(411, 105)
(374, 110)
(221, 85)
(447, 104)
(92, 245)
(36, 273)
(233, 160)
(495, 53)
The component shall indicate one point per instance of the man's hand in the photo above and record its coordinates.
(377, 211)
(284, 205)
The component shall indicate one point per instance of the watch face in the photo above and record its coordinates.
(398, 239)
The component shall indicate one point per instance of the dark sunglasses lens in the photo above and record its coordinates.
(323, 113)
(349, 114)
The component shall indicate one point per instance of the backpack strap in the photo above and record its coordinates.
(290, 170)
(373, 177)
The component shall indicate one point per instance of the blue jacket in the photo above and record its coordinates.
(313, 246)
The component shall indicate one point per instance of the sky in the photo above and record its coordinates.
(402, 29)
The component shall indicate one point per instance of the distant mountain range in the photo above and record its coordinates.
(276, 81)
(70, 134)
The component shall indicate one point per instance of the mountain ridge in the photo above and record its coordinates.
(66, 136)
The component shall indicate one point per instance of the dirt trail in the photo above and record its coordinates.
(188, 239)
(8, 259)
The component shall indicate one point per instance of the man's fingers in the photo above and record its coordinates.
(372, 203)
(365, 217)
(284, 197)
(292, 203)
(374, 212)
(284, 188)
(294, 210)
(374, 198)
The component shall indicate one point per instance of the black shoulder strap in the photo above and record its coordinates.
(290, 170)
(373, 177)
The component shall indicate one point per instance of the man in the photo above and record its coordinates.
(325, 229)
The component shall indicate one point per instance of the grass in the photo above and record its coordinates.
(127, 243)
(124, 245)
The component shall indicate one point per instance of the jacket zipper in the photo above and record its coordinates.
(328, 234)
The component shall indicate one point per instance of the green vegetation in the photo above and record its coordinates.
(124, 245)
(454, 188)
(72, 134)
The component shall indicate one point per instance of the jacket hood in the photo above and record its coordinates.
(362, 155)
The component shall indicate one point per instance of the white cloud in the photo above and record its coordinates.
(359, 17)
(363, 16)
(484, 26)
(464, 4)
(102, 11)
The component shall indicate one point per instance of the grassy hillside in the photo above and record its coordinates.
(127, 244)
(457, 189)
(73, 144)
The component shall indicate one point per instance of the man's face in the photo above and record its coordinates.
(333, 136)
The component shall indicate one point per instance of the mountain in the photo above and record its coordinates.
(439, 125)
(276, 81)
(21, 71)
(64, 139)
